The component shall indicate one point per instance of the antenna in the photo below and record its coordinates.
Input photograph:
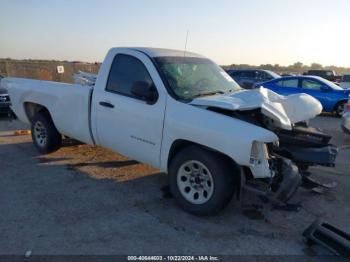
(186, 43)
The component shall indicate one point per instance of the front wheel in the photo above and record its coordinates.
(201, 181)
(45, 136)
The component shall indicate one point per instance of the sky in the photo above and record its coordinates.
(228, 31)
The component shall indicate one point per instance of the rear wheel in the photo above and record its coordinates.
(339, 109)
(201, 181)
(45, 136)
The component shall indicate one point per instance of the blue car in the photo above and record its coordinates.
(332, 97)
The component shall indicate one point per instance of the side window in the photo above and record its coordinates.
(242, 74)
(235, 74)
(260, 75)
(125, 71)
(279, 83)
(288, 83)
(311, 84)
(263, 76)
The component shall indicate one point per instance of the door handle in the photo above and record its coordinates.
(106, 104)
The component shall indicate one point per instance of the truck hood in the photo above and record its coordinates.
(284, 110)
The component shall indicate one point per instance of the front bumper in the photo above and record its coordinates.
(281, 187)
(286, 181)
(310, 156)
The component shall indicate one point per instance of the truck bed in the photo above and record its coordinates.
(68, 104)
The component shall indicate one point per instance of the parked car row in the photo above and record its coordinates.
(330, 75)
(317, 83)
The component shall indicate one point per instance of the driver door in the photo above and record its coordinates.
(125, 123)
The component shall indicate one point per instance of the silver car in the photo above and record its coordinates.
(346, 118)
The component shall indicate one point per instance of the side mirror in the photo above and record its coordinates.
(144, 91)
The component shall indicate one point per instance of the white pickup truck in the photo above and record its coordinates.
(176, 111)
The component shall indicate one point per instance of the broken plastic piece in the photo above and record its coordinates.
(288, 182)
(334, 239)
(28, 253)
(291, 180)
(311, 183)
(288, 207)
(319, 190)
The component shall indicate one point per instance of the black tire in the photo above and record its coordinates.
(223, 177)
(339, 108)
(53, 139)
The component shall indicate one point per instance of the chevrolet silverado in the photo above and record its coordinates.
(179, 112)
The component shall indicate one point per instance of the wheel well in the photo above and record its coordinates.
(341, 101)
(180, 144)
(32, 109)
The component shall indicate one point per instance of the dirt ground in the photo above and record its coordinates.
(87, 200)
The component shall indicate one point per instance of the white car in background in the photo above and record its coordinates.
(345, 82)
(346, 118)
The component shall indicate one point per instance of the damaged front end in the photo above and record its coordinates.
(297, 150)
(277, 170)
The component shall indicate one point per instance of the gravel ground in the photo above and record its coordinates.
(87, 200)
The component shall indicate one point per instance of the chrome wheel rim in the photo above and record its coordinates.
(195, 182)
(40, 134)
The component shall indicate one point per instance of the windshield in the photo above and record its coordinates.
(191, 77)
(273, 74)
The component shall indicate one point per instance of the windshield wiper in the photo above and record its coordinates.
(209, 93)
